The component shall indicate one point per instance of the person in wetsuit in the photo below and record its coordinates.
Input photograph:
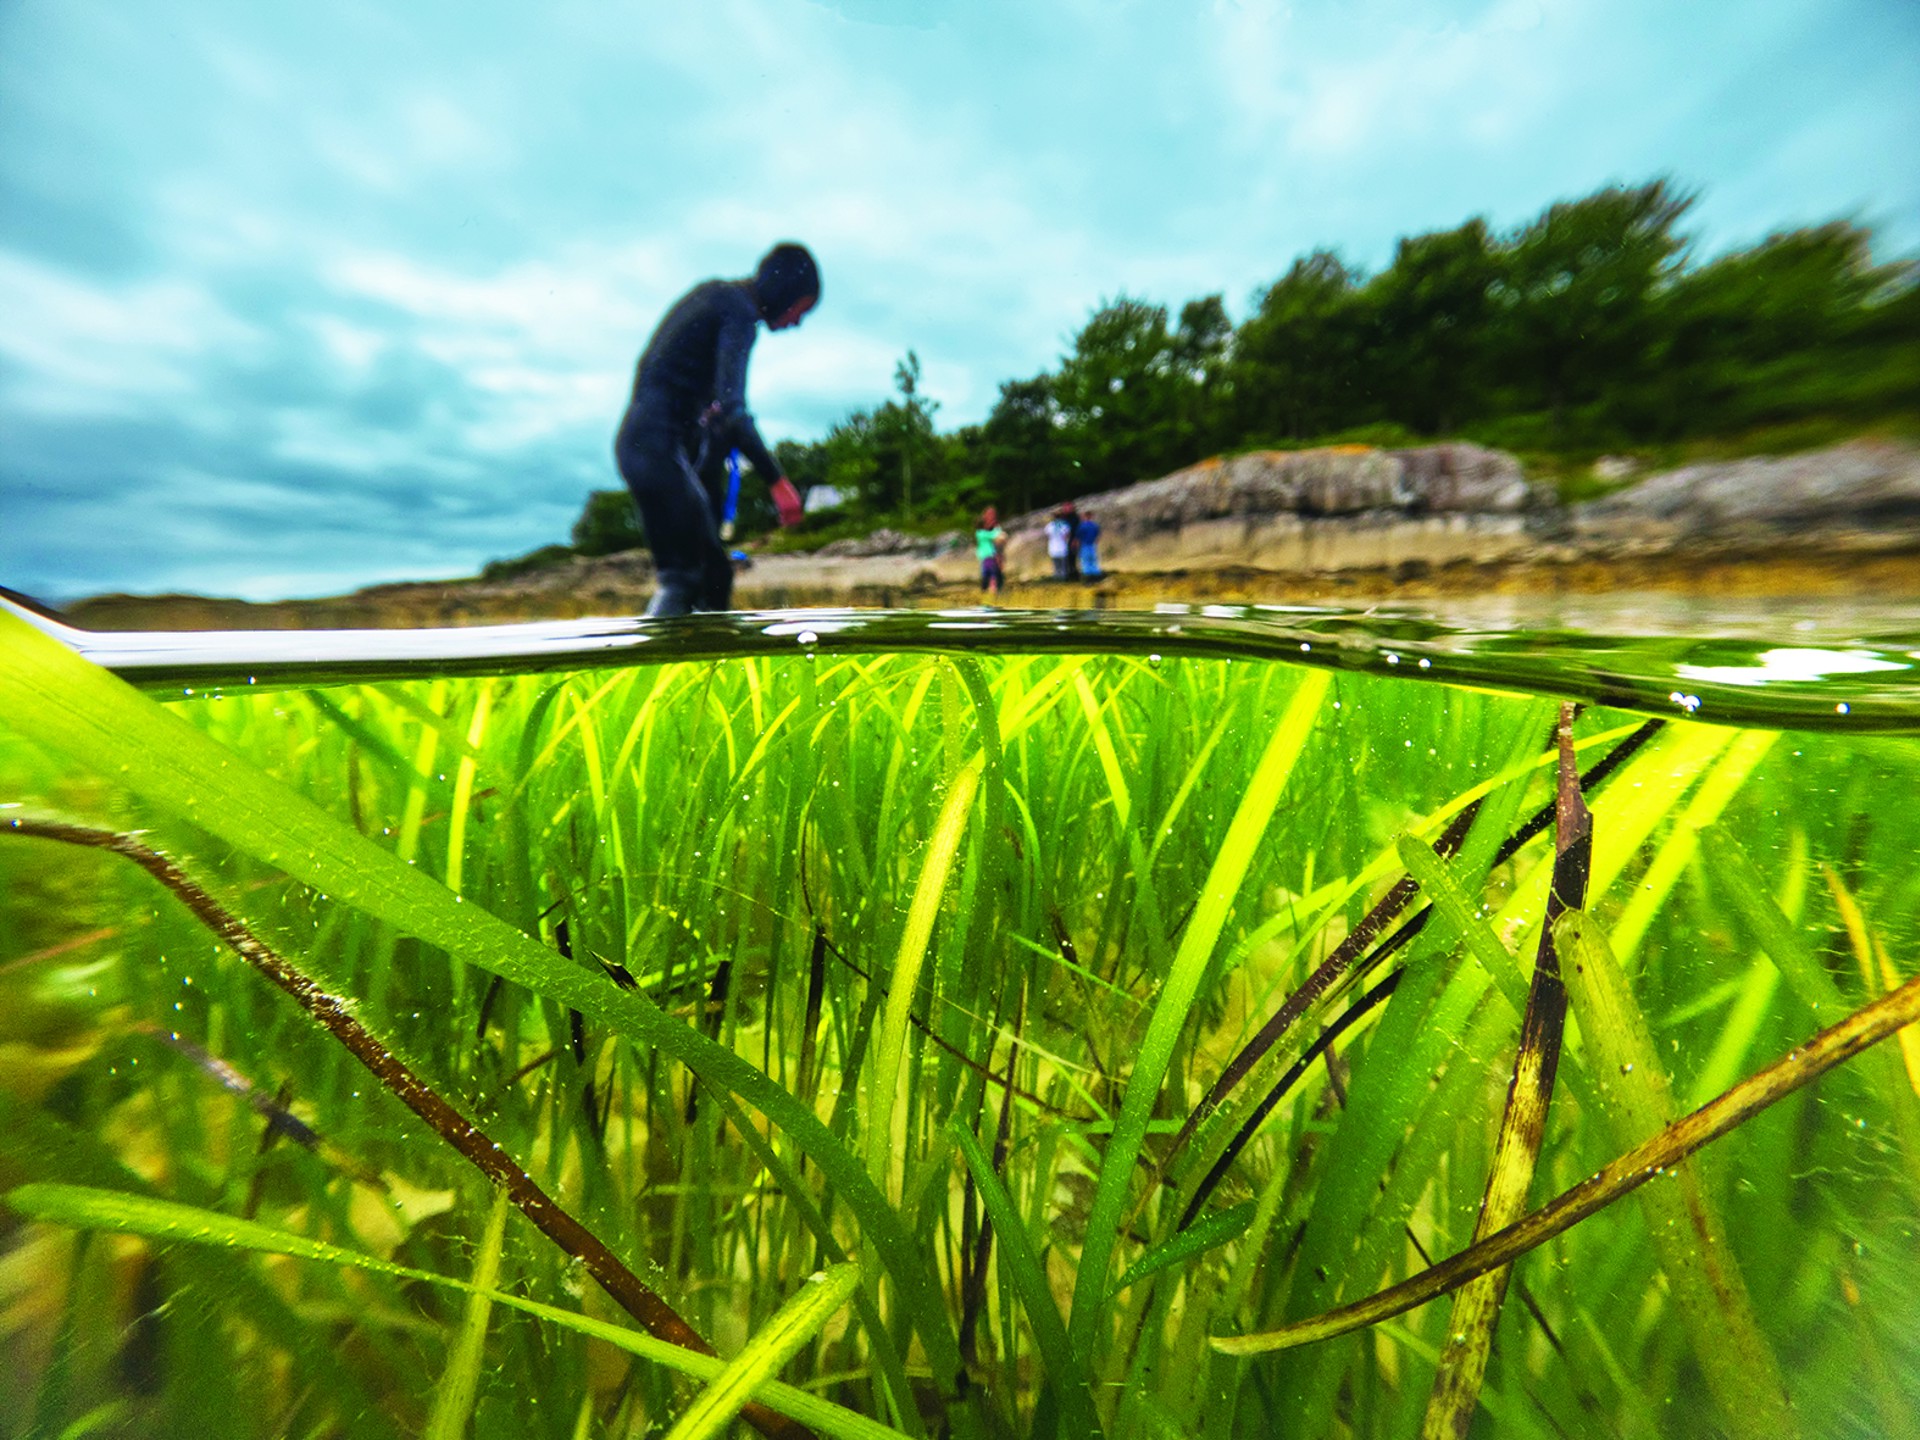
(689, 408)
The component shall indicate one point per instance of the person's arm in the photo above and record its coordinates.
(732, 419)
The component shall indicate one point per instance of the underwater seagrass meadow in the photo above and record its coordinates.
(959, 1039)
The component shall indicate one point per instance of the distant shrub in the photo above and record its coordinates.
(608, 524)
(547, 557)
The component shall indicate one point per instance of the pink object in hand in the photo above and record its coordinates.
(786, 500)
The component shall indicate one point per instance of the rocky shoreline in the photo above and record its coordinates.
(1339, 524)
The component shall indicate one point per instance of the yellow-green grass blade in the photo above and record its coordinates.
(1788, 948)
(84, 1207)
(1330, 900)
(1625, 816)
(1688, 1232)
(886, 1354)
(1195, 769)
(1877, 970)
(1206, 1233)
(1391, 1091)
(1784, 944)
(1104, 748)
(1028, 1277)
(1170, 1014)
(460, 1382)
(463, 789)
(1746, 752)
(792, 1326)
(1753, 997)
(1439, 887)
(414, 813)
(1024, 1267)
(904, 980)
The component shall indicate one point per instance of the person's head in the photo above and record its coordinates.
(989, 518)
(786, 285)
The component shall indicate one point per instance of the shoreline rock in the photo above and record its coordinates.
(1863, 486)
(1341, 522)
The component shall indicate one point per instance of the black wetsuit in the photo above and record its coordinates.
(689, 408)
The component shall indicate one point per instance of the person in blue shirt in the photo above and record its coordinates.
(689, 408)
(1088, 534)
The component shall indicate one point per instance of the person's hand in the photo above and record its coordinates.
(786, 500)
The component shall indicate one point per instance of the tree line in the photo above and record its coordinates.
(1592, 327)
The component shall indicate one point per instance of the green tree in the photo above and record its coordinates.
(1202, 377)
(907, 427)
(1299, 359)
(1430, 311)
(1576, 301)
(964, 487)
(852, 461)
(1116, 395)
(608, 524)
(1584, 327)
(1024, 452)
(1789, 327)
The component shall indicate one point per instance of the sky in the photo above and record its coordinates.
(296, 299)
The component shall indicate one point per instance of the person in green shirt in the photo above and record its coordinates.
(990, 543)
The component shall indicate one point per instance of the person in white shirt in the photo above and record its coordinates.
(1059, 544)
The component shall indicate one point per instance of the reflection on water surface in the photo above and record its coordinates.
(1814, 664)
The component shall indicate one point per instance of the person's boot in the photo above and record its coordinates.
(673, 597)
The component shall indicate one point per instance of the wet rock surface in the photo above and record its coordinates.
(1864, 486)
(885, 541)
(1337, 481)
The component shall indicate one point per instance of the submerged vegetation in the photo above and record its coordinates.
(464, 1055)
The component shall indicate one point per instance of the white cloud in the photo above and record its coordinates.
(1329, 92)
(822, 364)
(354, 347)
(320, 440)
(439, 131)
(94, 348)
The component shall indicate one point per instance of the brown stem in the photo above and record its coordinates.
(1476, 1306)
(634, 1296)
(1347, 954)
(1315, 985)
(1799, 1067)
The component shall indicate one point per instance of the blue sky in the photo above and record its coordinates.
(297, 299)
